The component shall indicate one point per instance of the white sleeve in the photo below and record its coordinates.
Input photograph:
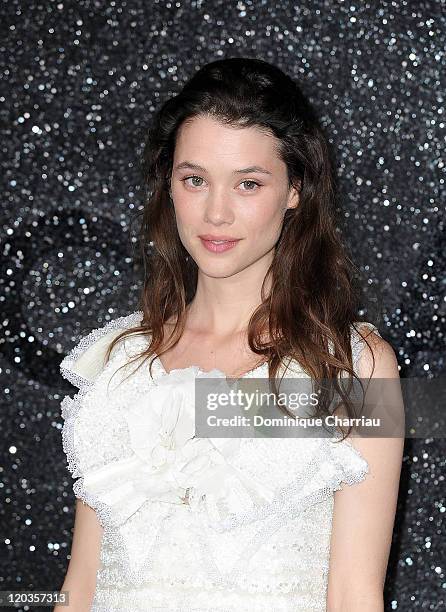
(93, 433)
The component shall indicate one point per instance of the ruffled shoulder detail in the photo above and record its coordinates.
(93, 433)
(86, 359)
(340, 463)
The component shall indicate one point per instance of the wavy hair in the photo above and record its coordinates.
(314, 295)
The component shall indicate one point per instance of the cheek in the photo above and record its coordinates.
(188, 220)
(264, 220)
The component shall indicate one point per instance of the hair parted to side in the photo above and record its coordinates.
(314, 296)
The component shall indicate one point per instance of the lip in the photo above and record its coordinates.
(213, 237)
(218, 247)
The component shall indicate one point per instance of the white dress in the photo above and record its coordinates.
(195, 524)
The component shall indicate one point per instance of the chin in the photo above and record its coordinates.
(221, 269)
(218, 271)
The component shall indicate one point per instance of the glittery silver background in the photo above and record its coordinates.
(79, 83)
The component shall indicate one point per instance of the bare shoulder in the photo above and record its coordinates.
(377, 358)
(378, 362)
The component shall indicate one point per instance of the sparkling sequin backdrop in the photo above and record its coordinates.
(80, 81)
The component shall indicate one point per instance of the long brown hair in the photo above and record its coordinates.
(315, 296)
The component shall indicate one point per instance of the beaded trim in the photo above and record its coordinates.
(70, 408)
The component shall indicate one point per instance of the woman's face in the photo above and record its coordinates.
(228, 183)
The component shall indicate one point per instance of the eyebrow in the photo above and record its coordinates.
(191, 165)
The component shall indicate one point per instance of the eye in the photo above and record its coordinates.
(194, 176)
(250, 182)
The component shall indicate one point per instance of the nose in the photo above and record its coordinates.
(218, 207)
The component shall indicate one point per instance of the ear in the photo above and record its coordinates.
(293, 196)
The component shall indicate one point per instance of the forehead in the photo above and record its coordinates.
(212, 144)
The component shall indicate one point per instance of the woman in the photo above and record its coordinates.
(245, 276)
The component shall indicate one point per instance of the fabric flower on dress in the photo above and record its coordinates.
(169, 463)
